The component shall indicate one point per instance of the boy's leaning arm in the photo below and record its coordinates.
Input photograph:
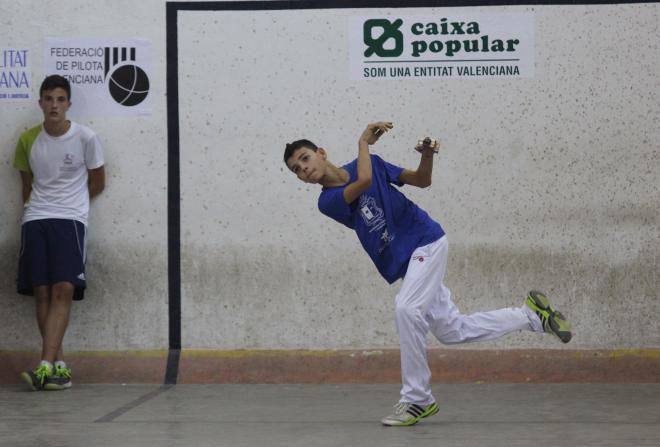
(96, 181)
(26, 184)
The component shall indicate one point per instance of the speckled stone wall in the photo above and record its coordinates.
(549, 182)
(126, 300)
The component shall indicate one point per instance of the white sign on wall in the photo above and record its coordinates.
(15, 74)
(107, 76)
(442, 46)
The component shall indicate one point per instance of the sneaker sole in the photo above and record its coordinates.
(58, 386)
(28, 379)
(430, 411)
(55, 387)
(537, 301)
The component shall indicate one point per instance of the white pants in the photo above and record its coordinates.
(424, 303)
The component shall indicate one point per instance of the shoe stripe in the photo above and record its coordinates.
(544, 320)
(415, 410)
(552, 323)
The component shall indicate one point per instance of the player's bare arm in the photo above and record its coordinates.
(421, 177)
(369, 136)
(96, 181)
(26, 182)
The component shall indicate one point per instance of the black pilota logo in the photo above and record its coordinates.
(128, 83)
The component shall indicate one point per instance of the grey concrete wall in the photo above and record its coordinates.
(549, 182)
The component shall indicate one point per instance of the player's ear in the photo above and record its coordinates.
(322, 153)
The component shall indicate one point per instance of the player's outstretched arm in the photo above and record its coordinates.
(369, 136)
(422, 176)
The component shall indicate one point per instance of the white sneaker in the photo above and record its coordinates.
(406, 414)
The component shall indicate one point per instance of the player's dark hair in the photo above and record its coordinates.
(298, 144)
(54, 81)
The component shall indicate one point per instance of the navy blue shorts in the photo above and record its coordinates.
(52, 251)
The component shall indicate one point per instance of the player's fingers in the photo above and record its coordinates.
(384, 126)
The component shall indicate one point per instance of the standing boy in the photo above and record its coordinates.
(404, 242)
(61, 167)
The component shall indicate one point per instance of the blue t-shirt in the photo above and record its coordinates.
(389, 226)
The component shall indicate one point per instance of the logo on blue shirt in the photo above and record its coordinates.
(371, 213)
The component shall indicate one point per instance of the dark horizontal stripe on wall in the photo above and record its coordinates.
(340, 4)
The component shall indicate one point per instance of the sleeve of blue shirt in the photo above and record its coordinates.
(392, 172)
(332, 204)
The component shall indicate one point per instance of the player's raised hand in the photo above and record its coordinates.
(374, 130)
(428, 145)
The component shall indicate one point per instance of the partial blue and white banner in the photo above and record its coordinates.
(15, 74)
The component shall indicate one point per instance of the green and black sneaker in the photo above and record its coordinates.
(553, 320)
(37, 378)
(60, 380)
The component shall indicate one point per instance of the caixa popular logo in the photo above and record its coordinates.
(386, 38)
(128, 84)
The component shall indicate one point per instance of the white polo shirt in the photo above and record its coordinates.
(59, 171)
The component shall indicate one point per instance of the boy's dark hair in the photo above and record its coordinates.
(54, 81)
(292, 147)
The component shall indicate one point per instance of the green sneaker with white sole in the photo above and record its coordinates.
(60, 380)
(37, 378)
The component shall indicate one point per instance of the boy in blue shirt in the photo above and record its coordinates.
(405, 243)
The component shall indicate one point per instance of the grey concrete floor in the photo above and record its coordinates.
(476, 415)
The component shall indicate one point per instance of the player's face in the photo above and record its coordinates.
(307, 164)
(54, 103)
